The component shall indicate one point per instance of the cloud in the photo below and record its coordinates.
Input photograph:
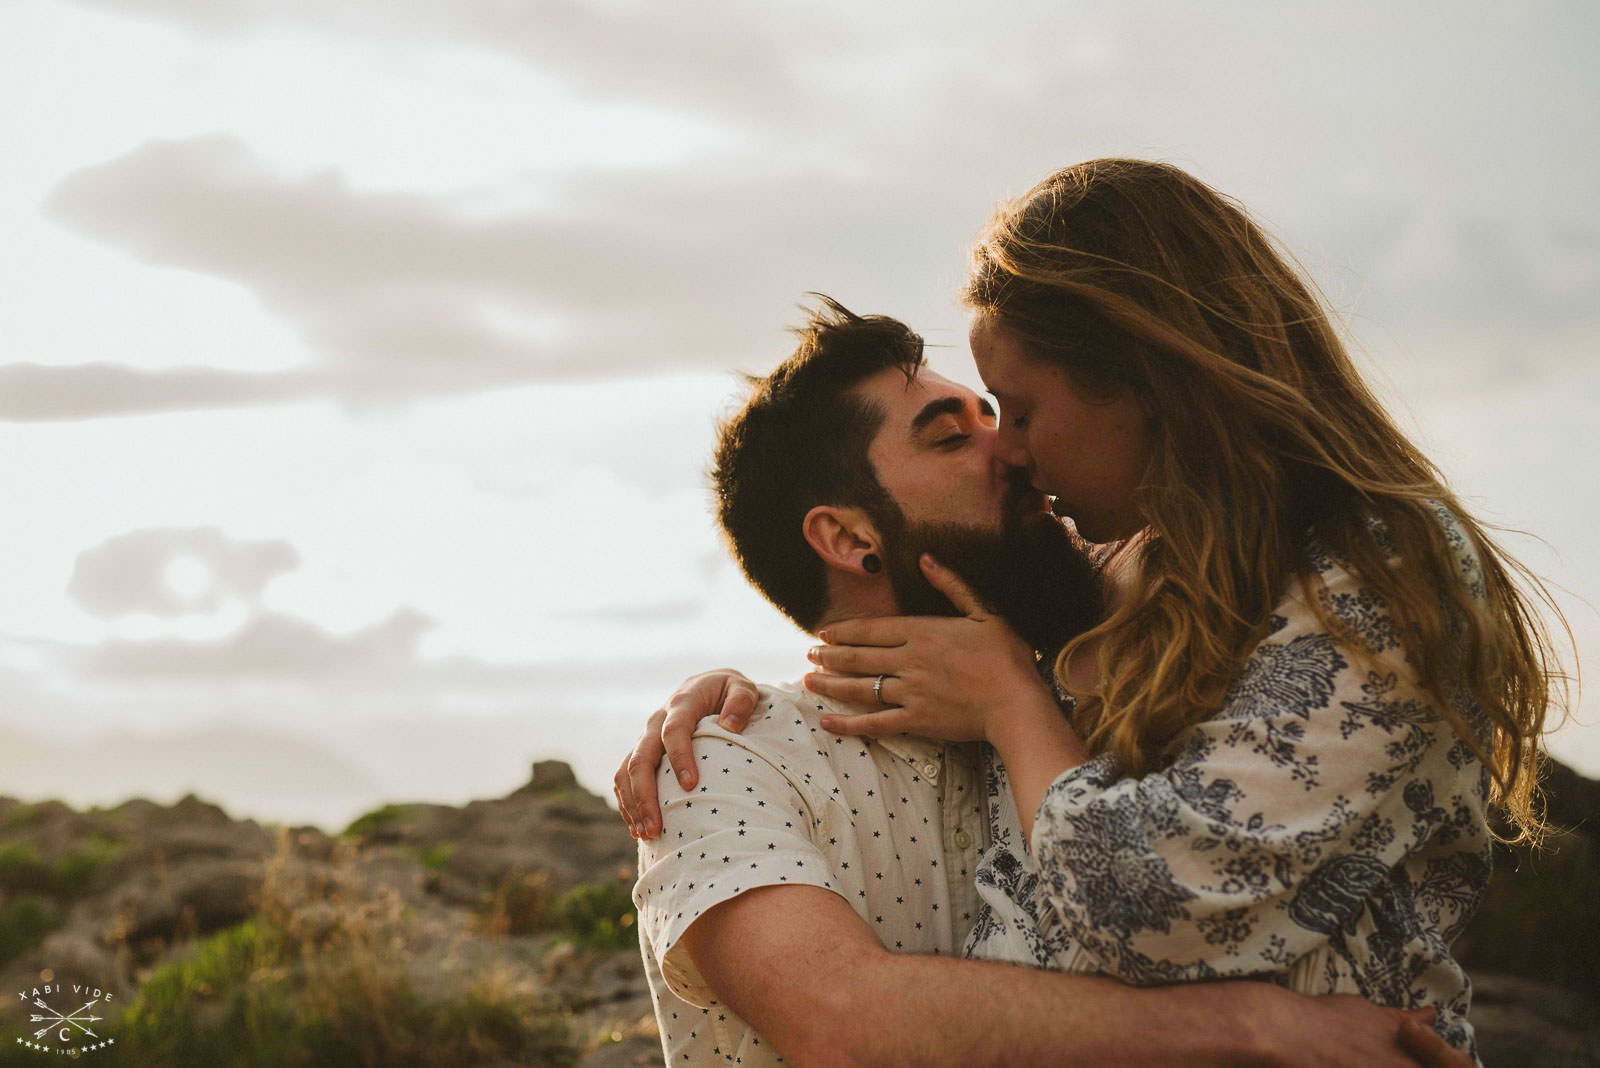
(44, 393)
(404, 297)
(723, 58)
(383, 659)
(870, 152)
(270, 646)
(132, 572)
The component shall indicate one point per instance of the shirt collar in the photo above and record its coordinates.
(926, 756)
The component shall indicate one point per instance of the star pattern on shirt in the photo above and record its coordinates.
(786, 810)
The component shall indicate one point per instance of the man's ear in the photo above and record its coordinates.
(842, 537)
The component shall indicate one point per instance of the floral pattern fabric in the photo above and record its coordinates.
(1326, 829)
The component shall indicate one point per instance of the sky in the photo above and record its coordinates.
(360, 359)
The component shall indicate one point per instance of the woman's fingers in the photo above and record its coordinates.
(858, 659)
(852, 689)
(950, 584)
(677, 732)
(725, 694)
(869, 724)
(635, 782)
(738, 701)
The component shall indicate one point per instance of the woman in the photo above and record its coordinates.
(1315, 670)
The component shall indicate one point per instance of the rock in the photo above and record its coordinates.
(80, 955)
(550, 776)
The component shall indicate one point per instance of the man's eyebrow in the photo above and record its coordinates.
(934, 409)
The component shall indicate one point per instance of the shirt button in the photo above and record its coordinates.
(963, 839)
(930, 770)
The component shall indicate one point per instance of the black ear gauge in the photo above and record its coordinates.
(871, 564)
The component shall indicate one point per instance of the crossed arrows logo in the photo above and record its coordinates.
(56, 1019)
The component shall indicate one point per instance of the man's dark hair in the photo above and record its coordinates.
(800, 441)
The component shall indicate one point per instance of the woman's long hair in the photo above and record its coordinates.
(1132, 275)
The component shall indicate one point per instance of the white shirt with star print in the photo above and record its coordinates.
(892, 825)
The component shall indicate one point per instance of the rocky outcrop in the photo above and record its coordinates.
(473, 894)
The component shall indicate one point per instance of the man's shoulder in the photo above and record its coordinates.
(784, 712)
(785, 730)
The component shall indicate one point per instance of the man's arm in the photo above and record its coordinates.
(808, 974)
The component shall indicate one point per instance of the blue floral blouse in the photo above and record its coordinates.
(1325, 830)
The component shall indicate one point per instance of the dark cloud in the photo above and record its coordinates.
(129, 573)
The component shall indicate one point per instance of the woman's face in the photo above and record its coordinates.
(1089, 454)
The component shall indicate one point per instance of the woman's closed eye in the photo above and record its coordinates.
(953, 441)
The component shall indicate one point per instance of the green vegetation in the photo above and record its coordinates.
(266, 994)
(596, 916)
(69, 875)
(21, 817)
(381, 819)
(433, 857)
(24, 921)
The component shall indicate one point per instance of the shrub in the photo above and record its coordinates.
(319, 977)
(24, 921)
(382, 819)
(598, 915)
(76, 869)
(21, 869)
(70, 875)
(433, 857)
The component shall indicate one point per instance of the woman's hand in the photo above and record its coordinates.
(725, 694)
(950, 678)
(963, 679)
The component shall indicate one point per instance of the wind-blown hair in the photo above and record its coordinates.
(1135, 276)
(801, 440)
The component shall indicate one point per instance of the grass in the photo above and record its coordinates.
(32, 889)
(597, 916)
(381, 819)
(319, 977)
(433, 857)
(70, 875)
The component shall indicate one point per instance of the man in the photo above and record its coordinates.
(807, 892)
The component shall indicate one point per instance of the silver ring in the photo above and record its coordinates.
(877, 689)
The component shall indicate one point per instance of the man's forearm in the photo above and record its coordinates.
(941, 1010)
(809, 975)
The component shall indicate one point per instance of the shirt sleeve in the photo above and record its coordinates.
(747, 825)
(1278, 819)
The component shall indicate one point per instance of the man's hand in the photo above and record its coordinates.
(725, 694)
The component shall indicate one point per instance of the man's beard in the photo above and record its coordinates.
(1032, 572)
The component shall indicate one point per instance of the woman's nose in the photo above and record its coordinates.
(1009, 451)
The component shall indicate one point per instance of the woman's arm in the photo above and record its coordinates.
(1327, 786)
